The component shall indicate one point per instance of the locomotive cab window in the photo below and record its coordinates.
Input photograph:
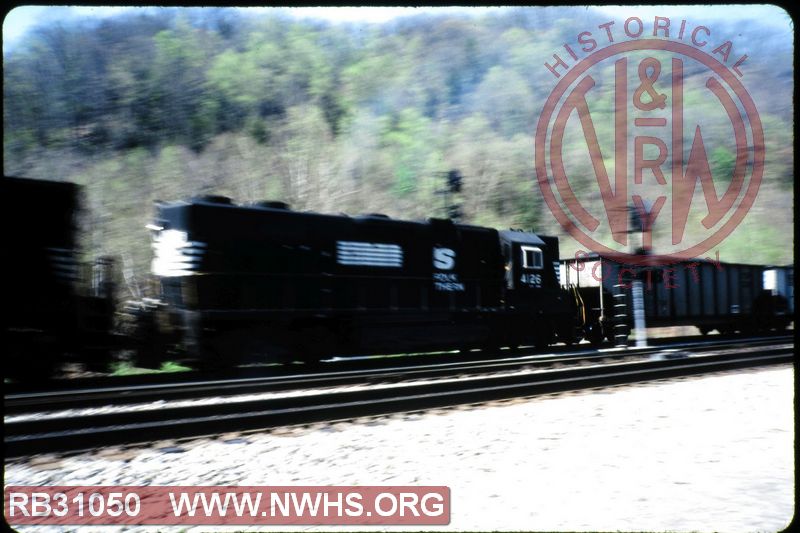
(532, 258)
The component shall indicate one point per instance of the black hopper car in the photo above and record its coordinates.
(708, 294)
(264, 279)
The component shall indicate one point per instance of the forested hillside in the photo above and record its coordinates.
(336, 118)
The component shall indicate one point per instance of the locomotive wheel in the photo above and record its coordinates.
(490, 348)
(513, 345)
(98, 360)
(313, 344)
(219, 351)
(147, 355)
(568, 335)
(543, 339)
(37, 363)
(594, 334)
(140, 325)
(211, 359)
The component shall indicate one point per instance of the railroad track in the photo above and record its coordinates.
(345, 363)
(72, 433)
(27, 402)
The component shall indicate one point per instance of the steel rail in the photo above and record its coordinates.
(81, 398)
(340, 364)
(86, 432)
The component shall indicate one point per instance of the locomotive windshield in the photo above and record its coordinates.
(532, 258)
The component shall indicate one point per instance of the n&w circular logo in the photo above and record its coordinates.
(649, 139)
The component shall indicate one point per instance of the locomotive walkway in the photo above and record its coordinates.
(383, 391)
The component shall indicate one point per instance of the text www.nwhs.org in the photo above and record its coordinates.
(228, 505)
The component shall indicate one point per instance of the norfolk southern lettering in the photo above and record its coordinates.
(447, 282)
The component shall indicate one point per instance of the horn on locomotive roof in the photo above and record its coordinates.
(274, 204)
(214, 199)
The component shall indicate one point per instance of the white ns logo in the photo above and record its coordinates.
(444, 258)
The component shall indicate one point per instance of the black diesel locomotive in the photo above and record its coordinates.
(263, 279)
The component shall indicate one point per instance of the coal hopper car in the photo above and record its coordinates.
(711, 295)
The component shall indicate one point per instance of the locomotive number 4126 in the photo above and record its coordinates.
(532, 280)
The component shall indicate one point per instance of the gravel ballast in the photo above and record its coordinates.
(710, 453)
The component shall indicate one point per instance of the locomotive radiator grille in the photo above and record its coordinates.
(354, 253)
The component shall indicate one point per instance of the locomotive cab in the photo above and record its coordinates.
(531, 265)
(532, 286)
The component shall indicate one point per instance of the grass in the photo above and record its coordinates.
(125, 368)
